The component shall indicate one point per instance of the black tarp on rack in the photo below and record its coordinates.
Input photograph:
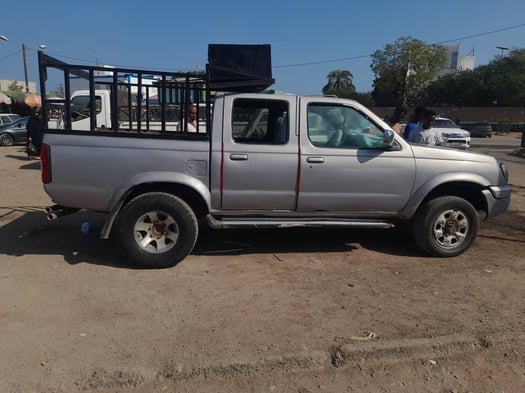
(239, 68)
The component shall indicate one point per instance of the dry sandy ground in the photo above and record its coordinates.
(256, 311)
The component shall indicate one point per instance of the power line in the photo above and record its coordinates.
(364, 56)
(321, 61)
(294, 64)
(11, 55)
(481, 34)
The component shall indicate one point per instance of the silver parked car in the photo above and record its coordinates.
(7, 118)
(482, 130)
(15, 132)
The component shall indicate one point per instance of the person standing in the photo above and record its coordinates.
(35, 134)
(429, 136)
(191, 119)
(395, 119)
(413, 128)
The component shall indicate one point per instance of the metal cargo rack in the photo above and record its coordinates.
(136, 105)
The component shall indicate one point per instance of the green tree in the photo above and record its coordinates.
(504, 80)
(365, 98)
(501, 82)
(14, 86)
(340, 83)
(403, 69)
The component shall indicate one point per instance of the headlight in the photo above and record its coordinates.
(504, 170)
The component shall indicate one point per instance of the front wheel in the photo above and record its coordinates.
(445, 226)
(157, 230)
(7, 140)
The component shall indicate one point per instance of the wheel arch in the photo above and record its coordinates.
(471, 192)
(194, 194)
(470, 189)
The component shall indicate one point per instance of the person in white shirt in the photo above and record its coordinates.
(191, 119)
(429, 136)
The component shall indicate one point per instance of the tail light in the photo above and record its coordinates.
(45, 158)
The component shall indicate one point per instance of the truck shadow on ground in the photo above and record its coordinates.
(31, 234)
(297, 240)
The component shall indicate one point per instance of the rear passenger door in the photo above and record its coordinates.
(260, 154)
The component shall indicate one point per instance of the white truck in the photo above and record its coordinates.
(150, 118)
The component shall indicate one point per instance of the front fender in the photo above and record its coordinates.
(126, 188)
(426, 188)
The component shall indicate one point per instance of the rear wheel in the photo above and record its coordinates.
(157, 230)
(6, 140)
(445, 226)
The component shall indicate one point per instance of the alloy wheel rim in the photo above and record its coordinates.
(156, 232)
(450, 228)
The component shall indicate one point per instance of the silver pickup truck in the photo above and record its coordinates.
(268, 160)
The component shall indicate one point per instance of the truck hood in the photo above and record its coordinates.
(445, 164)
(450, 154)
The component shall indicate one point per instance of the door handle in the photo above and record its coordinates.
(238, 157)
(315, 160)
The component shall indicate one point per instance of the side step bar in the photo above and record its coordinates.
(264, 222)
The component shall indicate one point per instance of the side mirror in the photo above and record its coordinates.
(388, 138)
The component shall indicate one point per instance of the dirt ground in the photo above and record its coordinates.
(257, 311)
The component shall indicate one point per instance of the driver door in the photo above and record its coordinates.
(344, 166)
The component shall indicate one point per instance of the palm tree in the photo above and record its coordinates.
(339, 83)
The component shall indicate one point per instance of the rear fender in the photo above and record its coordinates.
(125, 190)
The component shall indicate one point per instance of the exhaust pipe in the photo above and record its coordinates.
(54, 208)
(64, 211)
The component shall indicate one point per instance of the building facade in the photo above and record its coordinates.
(455, 62)
(5, 84)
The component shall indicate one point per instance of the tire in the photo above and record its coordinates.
(445, 226)
(6, 140)
(157, 230)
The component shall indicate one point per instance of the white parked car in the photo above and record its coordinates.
(451, 134)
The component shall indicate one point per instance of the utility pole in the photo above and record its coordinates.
(24, 57)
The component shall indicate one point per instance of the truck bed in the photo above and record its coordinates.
(89, 166)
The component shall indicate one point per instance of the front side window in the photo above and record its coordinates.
(259, 121)
(337, 126)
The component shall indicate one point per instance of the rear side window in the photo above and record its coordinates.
(8, 118)
(259, 121)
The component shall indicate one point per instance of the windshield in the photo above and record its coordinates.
(444, 123)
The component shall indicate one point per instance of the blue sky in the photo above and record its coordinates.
(175, 35)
